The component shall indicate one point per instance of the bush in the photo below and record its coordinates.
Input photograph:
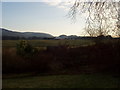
(24, 48)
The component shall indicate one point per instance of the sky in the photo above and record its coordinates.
(45, 16)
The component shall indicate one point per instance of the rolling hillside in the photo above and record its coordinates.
(11, 33)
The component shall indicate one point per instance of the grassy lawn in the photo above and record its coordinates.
(63, 81)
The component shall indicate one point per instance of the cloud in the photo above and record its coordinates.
(52, 2)
(66, 4)
(63, 4)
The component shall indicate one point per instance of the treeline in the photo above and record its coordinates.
(39, 38)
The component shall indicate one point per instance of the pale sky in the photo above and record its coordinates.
(45, 16)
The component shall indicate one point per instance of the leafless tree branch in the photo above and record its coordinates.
(103, 17)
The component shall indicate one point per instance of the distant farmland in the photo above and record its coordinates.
(44, 43)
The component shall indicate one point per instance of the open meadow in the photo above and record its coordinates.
(63, 81)
(44, 43)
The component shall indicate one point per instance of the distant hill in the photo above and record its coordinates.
(10, 33)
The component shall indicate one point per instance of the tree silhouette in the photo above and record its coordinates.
(102, 18)
(118, 22)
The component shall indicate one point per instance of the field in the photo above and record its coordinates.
(83, 65)
(44, 43)
(63, 81)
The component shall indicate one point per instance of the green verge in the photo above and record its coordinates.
(63, 81)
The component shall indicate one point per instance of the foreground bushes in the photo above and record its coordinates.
(24, 48)
(89, 59)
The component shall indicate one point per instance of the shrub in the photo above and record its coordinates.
(24, 48)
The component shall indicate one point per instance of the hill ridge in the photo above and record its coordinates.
(6, 32)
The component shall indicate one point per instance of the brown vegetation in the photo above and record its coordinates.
(61, 59)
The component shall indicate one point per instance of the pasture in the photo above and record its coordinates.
(44, 43)
(63, 81)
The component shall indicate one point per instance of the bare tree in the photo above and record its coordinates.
(101, 17)
(118, 22)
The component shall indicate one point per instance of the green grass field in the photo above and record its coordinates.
(63, 81)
